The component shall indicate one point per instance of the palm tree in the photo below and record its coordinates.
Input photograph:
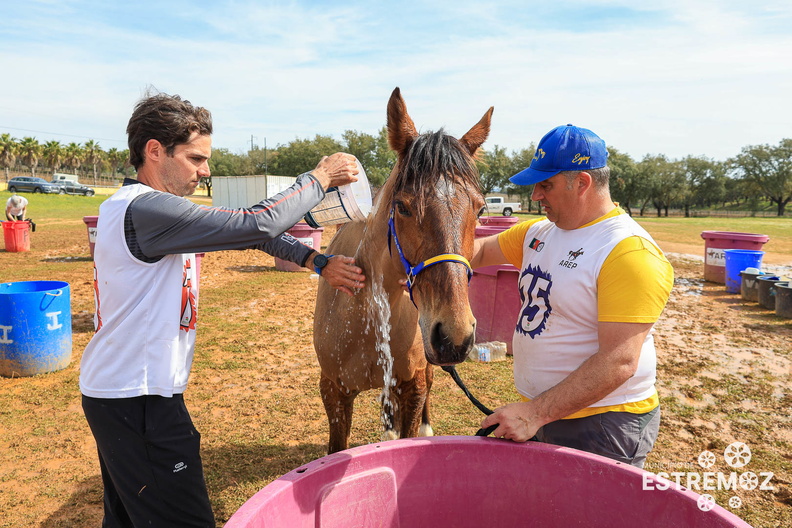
(93, 155)
(30, 152)
(8, 148)
(53, 155)
(73, 156)
(127, 164)
(116, 158)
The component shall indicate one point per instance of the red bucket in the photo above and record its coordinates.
(17, 236)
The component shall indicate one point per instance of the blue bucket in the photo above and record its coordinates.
(35, 327)
(738, 260)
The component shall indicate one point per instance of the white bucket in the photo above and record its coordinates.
(343, 204)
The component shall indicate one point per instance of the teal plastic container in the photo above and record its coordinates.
(35, 327)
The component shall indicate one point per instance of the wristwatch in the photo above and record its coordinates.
(320, 261)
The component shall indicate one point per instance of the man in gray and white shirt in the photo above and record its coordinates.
(136, 368)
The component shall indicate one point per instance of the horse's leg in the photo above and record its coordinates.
(338, 406)
(412, 399)
(389, 407)
(426, 427)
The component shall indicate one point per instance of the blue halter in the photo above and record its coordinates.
(413, 271)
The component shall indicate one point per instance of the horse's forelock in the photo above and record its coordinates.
(431, 157)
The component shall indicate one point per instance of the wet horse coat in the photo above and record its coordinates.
(433, 199)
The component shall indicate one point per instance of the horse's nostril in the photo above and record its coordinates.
(439, 339)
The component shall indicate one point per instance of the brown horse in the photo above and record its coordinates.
(424, 216)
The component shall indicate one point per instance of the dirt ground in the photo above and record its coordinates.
(724, 377)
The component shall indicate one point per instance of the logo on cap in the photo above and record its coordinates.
(580, 159)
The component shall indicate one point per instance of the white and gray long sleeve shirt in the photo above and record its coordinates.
(145, 279)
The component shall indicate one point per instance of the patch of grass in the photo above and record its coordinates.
(673, 406)
(709, 327)
(687, 367)
(233, 364)
(67, 207)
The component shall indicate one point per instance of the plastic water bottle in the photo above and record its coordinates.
(488, 352)
(484, 352)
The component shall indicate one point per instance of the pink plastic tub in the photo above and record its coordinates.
(493, 293)
(90, 223)
(495, 302)
(472, 481)
(307, 235)
(715, 245)
(507, 221)
(489, 230)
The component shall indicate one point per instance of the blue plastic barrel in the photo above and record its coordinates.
(738, 260)
(35, 327)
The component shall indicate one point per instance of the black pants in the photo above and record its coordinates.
(150, 461)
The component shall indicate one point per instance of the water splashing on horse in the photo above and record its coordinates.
(422, 228)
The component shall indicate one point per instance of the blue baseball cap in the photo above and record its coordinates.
(564, 148)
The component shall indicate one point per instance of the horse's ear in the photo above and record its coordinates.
(401, 129)
(477, 135)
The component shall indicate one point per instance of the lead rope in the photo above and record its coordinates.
(451, 369)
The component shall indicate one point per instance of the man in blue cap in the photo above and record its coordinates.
(593, 283)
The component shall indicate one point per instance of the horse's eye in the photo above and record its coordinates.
(402, 209)
(481, 212)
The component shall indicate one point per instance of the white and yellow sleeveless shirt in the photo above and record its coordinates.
(609, 270)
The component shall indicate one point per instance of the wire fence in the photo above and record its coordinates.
(718, 213)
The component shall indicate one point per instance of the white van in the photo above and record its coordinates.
(59, 177)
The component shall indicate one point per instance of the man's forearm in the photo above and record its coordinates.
(597, 377)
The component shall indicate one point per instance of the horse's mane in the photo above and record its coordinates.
(430, 157)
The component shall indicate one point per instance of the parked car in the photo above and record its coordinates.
(72, 187)
(59, 177)
(497, 205)
(32, 184)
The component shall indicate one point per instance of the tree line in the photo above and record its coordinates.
(54, 156)
(757, 175)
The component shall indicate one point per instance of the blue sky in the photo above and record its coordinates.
(695, 77)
